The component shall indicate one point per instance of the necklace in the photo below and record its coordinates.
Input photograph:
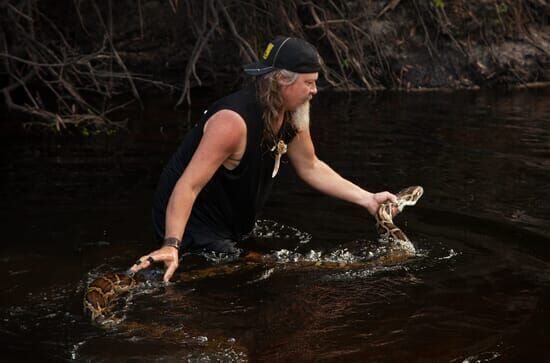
(279, 149)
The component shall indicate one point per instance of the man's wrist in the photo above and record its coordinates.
(171, 242)
(365, 198)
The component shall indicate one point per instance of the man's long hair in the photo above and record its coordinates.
(269, 93)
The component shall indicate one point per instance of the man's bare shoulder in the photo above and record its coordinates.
(226, 121)
(227, 129)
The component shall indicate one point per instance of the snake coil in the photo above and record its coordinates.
(384, 218)
(104, 292)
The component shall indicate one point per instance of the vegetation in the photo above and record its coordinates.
(75, 61)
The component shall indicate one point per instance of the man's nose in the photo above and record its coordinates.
(314, 89)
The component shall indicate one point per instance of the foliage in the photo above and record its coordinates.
(70, 61)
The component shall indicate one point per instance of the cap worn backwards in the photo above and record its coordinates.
(288, 53)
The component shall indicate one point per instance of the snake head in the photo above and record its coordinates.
(408, 196)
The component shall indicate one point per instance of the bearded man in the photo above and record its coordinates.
(214, 186)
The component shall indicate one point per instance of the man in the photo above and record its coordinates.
(212, 189)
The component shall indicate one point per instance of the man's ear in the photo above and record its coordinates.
(279, 79)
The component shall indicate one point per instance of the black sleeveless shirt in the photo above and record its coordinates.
(228, 205)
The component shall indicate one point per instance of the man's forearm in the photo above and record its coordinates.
(323, 178)
(178, 210)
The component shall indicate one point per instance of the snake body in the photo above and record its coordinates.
(384, 218)
(103, 293)
(101, 296)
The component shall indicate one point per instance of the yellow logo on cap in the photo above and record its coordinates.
(267, 50)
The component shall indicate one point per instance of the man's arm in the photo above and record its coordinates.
(321, 177)
(224, 136)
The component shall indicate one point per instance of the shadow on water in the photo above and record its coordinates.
(477, 290)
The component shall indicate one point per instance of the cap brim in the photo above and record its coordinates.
(257, 69)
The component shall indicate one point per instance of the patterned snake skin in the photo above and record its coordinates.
(102, 295)
(384, 217)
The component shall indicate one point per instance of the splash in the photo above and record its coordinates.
(398, 246)
(266, 228)
(341, 256)
(264, 276)
(221, 257)
(362, 274)
(451, 254)
(483, 357)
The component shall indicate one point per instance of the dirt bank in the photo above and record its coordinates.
(71, 61)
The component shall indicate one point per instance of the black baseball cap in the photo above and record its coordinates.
(288, 53)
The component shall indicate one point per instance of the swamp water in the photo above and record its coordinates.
(478, 290)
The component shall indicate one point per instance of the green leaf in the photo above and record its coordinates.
(439, 4)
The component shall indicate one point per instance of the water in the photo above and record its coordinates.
(478, 290)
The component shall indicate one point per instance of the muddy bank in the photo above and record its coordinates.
(67, 61)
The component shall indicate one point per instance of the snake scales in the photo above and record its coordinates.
(384, 218)
(103, 293)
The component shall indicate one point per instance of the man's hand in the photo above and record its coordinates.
(167, 254)
(375, 200)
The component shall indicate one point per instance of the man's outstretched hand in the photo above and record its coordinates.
(168, 255)
(377, 199)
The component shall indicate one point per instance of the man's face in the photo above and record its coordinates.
(300, 92)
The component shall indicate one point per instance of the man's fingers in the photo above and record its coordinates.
(167, 255)
(171, 264)
(142, 262)
(170, 271)
(137, 265)
(385, 196)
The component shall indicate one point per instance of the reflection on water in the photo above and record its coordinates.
(476, 291)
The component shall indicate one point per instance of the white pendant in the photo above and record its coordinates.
(281, 149)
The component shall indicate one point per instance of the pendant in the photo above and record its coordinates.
(280, 149)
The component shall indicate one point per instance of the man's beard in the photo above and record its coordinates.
(300, 117)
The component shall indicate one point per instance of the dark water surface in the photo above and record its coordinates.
(478, 290)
